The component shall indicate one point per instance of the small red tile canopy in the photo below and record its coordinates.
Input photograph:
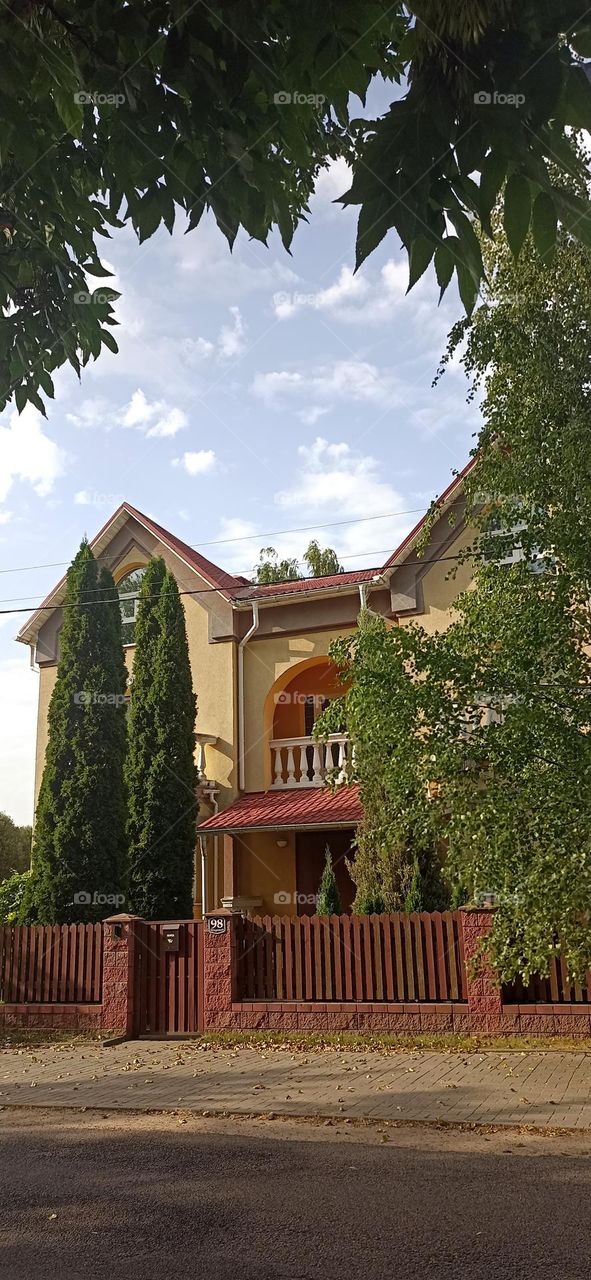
(309, 808)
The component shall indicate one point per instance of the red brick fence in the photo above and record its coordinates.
(402, 973)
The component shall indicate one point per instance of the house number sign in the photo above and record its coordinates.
(217, 924)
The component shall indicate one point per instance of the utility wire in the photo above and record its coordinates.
(203, 591)
(246, 537)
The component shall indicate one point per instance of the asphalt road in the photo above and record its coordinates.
(154, 1197)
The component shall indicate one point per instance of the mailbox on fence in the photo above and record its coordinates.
(170, 937)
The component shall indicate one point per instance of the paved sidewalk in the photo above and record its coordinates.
(533, 1088)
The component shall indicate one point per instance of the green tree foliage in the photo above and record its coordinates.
(270, 569)
(114, 113)
(380, 712)
(322, 562)
(528, 348)
(329, 898)
(15, 847)
(12, 894)
(160, 771)
(79, 836)
(478, 738)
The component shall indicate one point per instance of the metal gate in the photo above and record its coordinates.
(168, 978)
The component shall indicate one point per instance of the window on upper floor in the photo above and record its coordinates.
(128, 590)
(510, 548)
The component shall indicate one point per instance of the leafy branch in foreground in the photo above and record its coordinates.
(115, 113)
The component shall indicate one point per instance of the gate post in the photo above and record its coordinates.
(119, 960)
(220, 970)
(485, 1002)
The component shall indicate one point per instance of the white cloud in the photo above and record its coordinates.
(345, 380)
(155, 418)
(310, 416)
(225, 276)
(94, 412)
(196, 463)
(332, 481)
(333, 477)
(331, 183)
(90, 498)
(196, 350)
(19, 691)
(231, 340)
(353, 298)
(27, 454)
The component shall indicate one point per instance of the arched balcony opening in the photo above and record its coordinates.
(298, 758)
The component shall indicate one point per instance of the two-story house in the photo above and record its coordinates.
(261, 672)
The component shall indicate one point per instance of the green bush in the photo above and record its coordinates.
(329, 898)
(11, 895)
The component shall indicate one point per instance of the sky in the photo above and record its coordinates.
(254, 393)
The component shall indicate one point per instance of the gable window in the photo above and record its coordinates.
(128, 591)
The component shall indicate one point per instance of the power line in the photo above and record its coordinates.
(247, 537)
(203, 591)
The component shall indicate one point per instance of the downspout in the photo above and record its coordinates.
(241, 648)
(363, 590)
(202, 843)
(216, 862)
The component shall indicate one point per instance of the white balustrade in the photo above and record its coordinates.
(307, 762)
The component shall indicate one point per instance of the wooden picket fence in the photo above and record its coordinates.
(51, 964)
(555, 989)
(401, 957)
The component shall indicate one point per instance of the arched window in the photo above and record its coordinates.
(128, 590)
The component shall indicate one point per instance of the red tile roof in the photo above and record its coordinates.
(308, 807)
(253, 591)
(206, 568)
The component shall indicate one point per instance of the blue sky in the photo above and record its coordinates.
(253, 392)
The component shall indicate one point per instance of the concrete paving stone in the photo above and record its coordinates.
(536, 1088)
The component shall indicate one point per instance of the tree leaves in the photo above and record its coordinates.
(517, 211)
(544, 224)
(144, 114)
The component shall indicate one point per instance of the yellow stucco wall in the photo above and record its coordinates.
(442, 584)
(265, 661)
(263, 870)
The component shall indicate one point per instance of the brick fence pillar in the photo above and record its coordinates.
(119, 958)
(484, 994)
(220, 970)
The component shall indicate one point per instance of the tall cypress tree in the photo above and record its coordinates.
(79, 862)
(161, 772)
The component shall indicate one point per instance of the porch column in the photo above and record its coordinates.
(230, 877)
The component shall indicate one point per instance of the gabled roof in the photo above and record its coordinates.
(217, 578)
(234, 587)
(442, 504)
(276, 810)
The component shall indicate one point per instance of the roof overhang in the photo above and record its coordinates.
(440, 507)
(298, 809)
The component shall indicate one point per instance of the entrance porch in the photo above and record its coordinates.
(274, 848)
